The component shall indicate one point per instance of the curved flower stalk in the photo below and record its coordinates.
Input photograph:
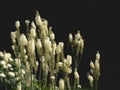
(95, 72)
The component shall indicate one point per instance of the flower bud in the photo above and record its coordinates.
(27, 22)
(31, 47)
(38, 19)
(33, 25)
(92, 65)
(70, 37)
(52, 36)
(13, 36)
(69, 60)
(58, 49)
(23, 40)
(61, 45)
(90, 78)
(1, 54)
(11, 74)
(39, 44)
(98, 55)
(9, 65)
(3, 63)
(17, 24)
(97, 66)
(61, 84)
(2, 75)
(76, 74)
(33, 33)
(52, 77)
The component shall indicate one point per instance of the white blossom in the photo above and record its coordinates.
(33, 25)
(5, 66)
(11, 74)
(58, 49)
(23, 40)
(33, 33)
(26, 57)
(70, 37)
(17, 24)
(52, 77)
(9, 65)
(61, 45)
(90, 78)
(25, 51)
(54, 48)
(97, 55)
(69, 70)
(59, 64)
(1, 54)
(92, 65)
(52, 36)
(2, 75)
(37, 63)
(13, 47)
(61, 84)
(69, 60)
(3, 62)
(76, 74)
(54, 45)
(97, 66)
(19, 86)
(31, 46)
(81, 42)
(6, 56)
(22, 72)
(27, 22)
(38, 19)
(42, 59)
(11, 69)
(17, 62)
(13, 36)
(45, 26)
(78, 36)
(17, 78)
(47, 44)
(39, 44)
(79, 86)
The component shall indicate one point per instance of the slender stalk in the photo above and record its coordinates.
(96, 84)
(68, 83)
(39, 78)
(74, 84)
(6, 86)
(31, 78)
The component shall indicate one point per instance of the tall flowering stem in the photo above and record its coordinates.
(77, 45)
(37, 50)
(95, 72)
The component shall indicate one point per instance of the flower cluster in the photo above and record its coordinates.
(94, 74)
(39, 61)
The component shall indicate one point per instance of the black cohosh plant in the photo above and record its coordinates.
(39, 61)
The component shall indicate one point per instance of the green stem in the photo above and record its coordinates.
(68, 83)
(31, 79)
(80, 58)
(74, 84)
(96, 84)
(6, 86)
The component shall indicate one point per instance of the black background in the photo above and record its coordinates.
(97, 21)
